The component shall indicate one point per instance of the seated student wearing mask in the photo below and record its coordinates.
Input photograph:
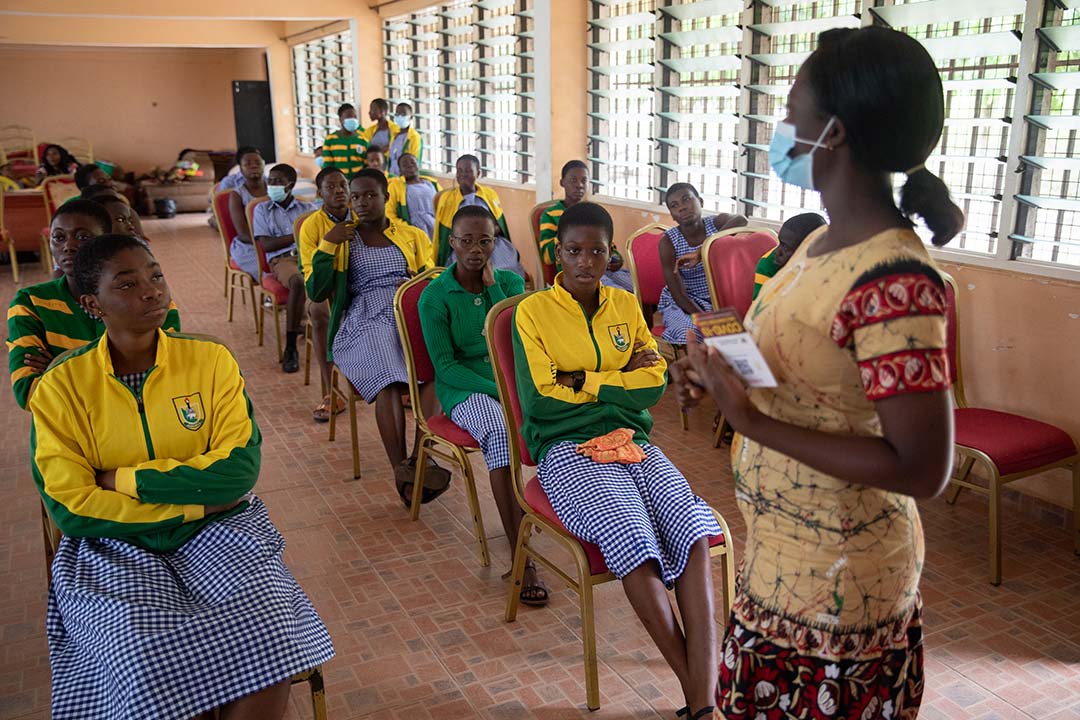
(412, 196)
(47, 319)
(273, 229)
(346, 148)
(792, 233)
(469, 192)
(406, 140)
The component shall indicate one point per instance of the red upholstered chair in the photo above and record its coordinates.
(590, 569)
(730, 258)
(439, 436)
(13, 245)
(643, 261)
(548, 270)
(1007, 446)
(235, 278)
(268, 288)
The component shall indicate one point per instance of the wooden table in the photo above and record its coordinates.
(24, 217)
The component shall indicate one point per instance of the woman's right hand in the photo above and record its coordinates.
(340, 233)
(642, 357)
(38, 359)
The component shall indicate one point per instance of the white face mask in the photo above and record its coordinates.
(403, 121)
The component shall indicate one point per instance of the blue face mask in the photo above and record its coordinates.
(798, 170)
(350, 124)
(319, 161)
(403, 121)
(276, 193)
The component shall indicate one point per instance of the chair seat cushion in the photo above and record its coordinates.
(448, 430)
(538, 501)
(234, 266)
(279, 291)
(1015, 443)
(658, 330)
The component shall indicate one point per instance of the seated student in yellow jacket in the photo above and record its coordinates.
(470, 192)
(358, 266)
(412, 196)
(382, 129)
(169, 595)
(407, 140)
(586, 364)
(47, 319)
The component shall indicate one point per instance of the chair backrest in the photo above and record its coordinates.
(952, 340)
(407, 315)
(80, 148)
(643, 259)
(57, 190)
(730, 258)
(498, 329)
(225, 226)
(18, 141)
(547, 270)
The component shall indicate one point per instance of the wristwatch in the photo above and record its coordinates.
(578, 376)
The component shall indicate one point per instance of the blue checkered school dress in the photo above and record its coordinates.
(634, 513)
(163, 636)
(482, 416)
(244, 254)
(367, 347)
(677, 322)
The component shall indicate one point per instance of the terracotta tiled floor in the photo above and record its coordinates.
(418, 623)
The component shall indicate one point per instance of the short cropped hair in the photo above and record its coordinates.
(586, 214)
(90, 209)
(92, 255)
(573, 165)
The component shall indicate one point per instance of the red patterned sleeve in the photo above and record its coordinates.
(893, 321)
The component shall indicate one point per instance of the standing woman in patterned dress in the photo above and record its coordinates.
(826, 620)
(169, 596)
(359, 268)
(687, 290)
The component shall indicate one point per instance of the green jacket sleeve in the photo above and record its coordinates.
(229, 467)
(26, 336)
(321, 282)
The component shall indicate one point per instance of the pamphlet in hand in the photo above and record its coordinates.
(723, 330)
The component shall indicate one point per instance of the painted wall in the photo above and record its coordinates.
(145, 107)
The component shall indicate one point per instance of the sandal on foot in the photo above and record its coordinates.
(321, 414)
(683, 712)
(535, 594)
(436, 482)
(705, 712)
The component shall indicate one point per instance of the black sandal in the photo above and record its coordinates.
(436, 482)
(683, 712)
(705, 712)
(535, 595)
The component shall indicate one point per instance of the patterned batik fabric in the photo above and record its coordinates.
(829, 558)
(774, 669)
(676, 320)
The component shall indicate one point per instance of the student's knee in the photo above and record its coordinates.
(319, 314)
(296, 283)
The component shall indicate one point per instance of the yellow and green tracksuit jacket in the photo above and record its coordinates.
(345, 152)
(312, 231)
(396, 206)
(448, 207)
(186, 440)
(368, 134)
(329, 277)
(766, 268)
(551, 334)
(48, 316)
(414, 144)
(549, 232)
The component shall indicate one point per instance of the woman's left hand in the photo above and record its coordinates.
(706, 368)
(106, 480)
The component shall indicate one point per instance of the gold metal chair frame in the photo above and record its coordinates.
(350, 398)
(971, 456)
(583, 580)
(714, 295)
(9, 242)
(80, 148)
(537, 212)
(234, 279)
(275, 309)
(313, 677)
(17, 139)
(430, 444)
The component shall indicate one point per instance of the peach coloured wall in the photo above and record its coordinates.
(146, 106)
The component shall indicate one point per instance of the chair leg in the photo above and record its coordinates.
(277, 331)
(333, 400)
(727, 564)
(517, 573)
(588, 635)
(260, 322)
(995, 528)
(254, 308)
(418, 480)
(474, 507)
(318, 695)
(353, 432)
(961, 474)
(718, 439)
(231, 293)
(1076, 506)
(14, 254)
(307, 353)
(225, 284)
(684, 418)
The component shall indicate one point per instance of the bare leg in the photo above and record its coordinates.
(294, 308)
(267, 704)
(320, 326)
(694, 591)
(647, 595)
(390, 418)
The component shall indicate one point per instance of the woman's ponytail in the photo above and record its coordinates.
(925, 195)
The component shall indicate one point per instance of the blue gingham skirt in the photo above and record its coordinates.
(245, 256)
(482, 416)
(137, 634)
(634, 513)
